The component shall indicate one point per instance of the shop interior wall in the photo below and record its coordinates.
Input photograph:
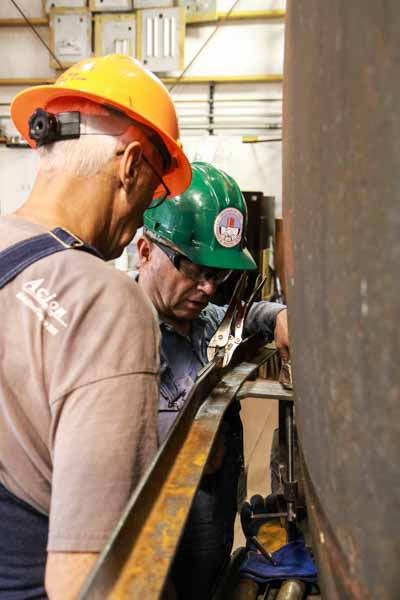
(242, 110)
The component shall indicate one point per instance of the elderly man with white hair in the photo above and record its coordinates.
(78, 400)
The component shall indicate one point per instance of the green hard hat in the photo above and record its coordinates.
(207, 222)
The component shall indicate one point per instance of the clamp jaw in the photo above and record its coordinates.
(229, 334)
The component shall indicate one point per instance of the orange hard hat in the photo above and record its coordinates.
(125, 84)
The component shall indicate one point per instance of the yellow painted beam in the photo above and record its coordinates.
(251, 15)
(20, 81)
(205, 19)
(22, 23)
(248, 139)
(185, 80)
(225, 79)
(258, 140)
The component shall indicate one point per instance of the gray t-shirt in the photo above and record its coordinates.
(78, 400)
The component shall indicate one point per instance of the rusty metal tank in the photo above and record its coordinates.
(342, 230)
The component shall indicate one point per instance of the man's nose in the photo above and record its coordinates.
(208, 286)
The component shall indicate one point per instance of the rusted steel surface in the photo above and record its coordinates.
(329, 551)
(342, 234)
(135, 563)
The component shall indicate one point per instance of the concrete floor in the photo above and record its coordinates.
(260, 418)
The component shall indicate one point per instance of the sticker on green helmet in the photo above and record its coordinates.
(228, 227)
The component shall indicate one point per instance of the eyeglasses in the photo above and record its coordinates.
(167, 191)
(189, 269)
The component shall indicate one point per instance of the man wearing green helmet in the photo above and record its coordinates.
(189, 246)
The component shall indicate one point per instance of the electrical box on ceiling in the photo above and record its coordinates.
(108, 5)
(115, 33)
(160, 38)
(202, 9)
(49, 4)
(153, 3)
(70, 35)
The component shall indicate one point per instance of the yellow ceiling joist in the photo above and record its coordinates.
(250, 15)
(39, 22)
(225, 79)
(23, 81)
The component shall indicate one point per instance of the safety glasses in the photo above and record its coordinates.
(164, 195)
(189, 269)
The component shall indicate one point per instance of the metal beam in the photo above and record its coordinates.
(137, 558)
(191, 21)
(268, 390)
(38, 22)
(248, 15)
(276, 78)
(22, 81)
(342, 253)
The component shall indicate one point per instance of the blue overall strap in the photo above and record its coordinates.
(16, 258)
(23, 542)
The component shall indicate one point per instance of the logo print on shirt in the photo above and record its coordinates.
(43, 304)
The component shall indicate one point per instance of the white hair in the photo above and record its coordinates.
(85, 156)
(89, 153)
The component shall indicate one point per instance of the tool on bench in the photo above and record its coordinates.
(229, 334)
(263, 551)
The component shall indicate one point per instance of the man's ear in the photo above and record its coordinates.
(144, 248)
(128, 165)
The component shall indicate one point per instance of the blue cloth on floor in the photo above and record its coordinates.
(294, 562)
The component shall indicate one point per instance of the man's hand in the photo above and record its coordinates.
(281, 335)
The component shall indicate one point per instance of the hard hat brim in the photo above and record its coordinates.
(223, 258)
(27, 101)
